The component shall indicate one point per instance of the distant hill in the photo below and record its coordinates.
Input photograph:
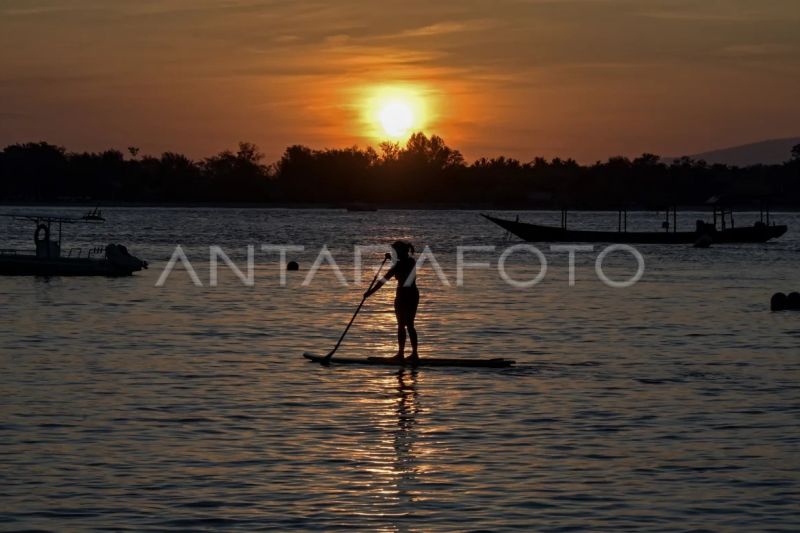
(770, 152)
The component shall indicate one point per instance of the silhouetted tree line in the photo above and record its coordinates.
(423, 171)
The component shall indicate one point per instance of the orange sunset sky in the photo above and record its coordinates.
(572, 78)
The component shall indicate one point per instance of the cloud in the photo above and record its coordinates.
(31, 9)
(757, 50)
(27, 8)
(48, 80)
(728, 11)
(446, 27)
(545, 71)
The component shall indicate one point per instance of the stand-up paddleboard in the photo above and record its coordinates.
(424, 361)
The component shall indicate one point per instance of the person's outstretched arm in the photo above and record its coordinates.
(380, 283)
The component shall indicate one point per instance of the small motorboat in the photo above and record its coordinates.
(47, 259)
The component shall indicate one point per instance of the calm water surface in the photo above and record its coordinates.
(673, 404)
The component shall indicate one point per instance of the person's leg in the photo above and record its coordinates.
(412, 330)
(412, 334)
(401, 338)
(401, 329)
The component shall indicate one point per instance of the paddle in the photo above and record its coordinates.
(327, 358)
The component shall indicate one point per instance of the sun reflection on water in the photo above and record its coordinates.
(392, 461)
(405, 437)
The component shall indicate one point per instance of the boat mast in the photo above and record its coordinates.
(666, 222)
(674, 219)
(622, 220)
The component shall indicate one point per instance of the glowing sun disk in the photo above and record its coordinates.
(396, 118)
(394, 112)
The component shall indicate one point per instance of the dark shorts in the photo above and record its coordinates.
(405, 304)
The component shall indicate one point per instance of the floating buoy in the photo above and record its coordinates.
(292, 265)
(778, 302)
(793, 300)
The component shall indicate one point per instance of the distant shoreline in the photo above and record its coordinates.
(423, 174)
(388, 207)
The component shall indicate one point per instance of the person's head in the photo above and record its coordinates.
(403, 248)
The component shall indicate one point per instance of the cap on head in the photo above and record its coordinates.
(403, 248)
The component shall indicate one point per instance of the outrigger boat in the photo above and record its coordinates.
(48, 260)
(719, 231)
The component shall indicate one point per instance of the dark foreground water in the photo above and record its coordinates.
(670, 405)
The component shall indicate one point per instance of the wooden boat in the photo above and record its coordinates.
(758, 232)
(47, 259)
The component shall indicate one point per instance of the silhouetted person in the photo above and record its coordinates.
(406, 298)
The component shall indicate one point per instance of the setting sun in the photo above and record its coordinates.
(394, 112)
(396, 118)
